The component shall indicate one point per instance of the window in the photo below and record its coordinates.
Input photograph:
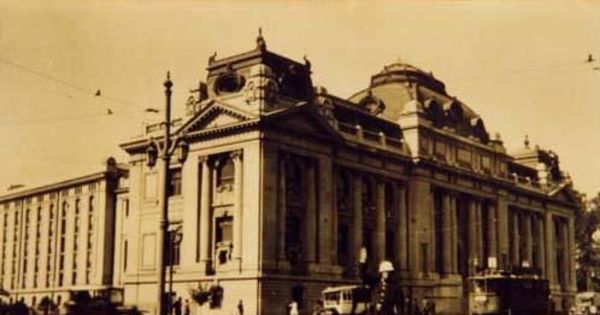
(225, 173)
(368, 196)
(343, 242)
(38, 240)
(76, 237)
(174, 238)
(49, 255)
(295, 204)
(343, 194)
(27, 236)
(90, 239)
(63, 239)
(125, 256)
(224, 237)
(174, 182)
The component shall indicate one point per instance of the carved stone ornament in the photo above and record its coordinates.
(261, 85)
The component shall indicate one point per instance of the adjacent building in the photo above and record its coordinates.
(59, 237)
(286, 183)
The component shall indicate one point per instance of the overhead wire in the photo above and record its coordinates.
(91, 92)
(570, 66)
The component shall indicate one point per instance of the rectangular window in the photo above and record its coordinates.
(174, 182)
(76, 229)
(125, 256)
(90, 238)
(174, 238)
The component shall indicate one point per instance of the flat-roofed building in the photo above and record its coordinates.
(59, 237)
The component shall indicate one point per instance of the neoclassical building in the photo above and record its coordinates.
(285, 183)
(59, 237)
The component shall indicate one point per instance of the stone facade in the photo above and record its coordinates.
(286, 183)
(59, 237)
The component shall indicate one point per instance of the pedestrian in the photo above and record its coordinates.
(240, 308)
(177, 306)
(389, 296)
(186, 309)
(293, 308)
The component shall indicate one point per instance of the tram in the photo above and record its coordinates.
(512, 293)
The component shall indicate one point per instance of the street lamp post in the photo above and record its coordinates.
(174, 242)
(164, 151)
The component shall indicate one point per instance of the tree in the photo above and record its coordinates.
(587, 221)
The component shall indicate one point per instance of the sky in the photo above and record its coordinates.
(519, 64)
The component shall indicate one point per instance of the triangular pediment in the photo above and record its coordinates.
(565, 194)
(303, 120)
(215, 115)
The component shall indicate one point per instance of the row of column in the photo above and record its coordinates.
(308, 180)
(381, 225)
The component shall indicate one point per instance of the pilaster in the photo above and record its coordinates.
(357, 239)
(380, 221)
(191, 193)
(205, 201)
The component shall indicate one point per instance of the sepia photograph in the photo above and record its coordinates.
(299, 157)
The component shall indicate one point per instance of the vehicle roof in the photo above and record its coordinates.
(341, 288)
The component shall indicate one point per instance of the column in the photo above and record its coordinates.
(326, 227)
(282, 207)
(492, 231)
(472, 218)
(401, 245)
(380, 222)
(311, 238)
(357, 223)
(550, 243)
(516, 259)
(528, 239)
(566, 251)
(503, 235)
(191, 178)
(236, 156)
(447, 232)
(419, 194)
(454, 224)
(479, 215)
(542, 244)
(205, 185)
(571, 257)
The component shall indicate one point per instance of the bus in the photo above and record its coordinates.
(498, 292)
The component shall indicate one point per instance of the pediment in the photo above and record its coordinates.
(304, 121)
(215, 115)
(565, 194)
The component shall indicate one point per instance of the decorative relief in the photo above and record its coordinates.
(261, 85)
